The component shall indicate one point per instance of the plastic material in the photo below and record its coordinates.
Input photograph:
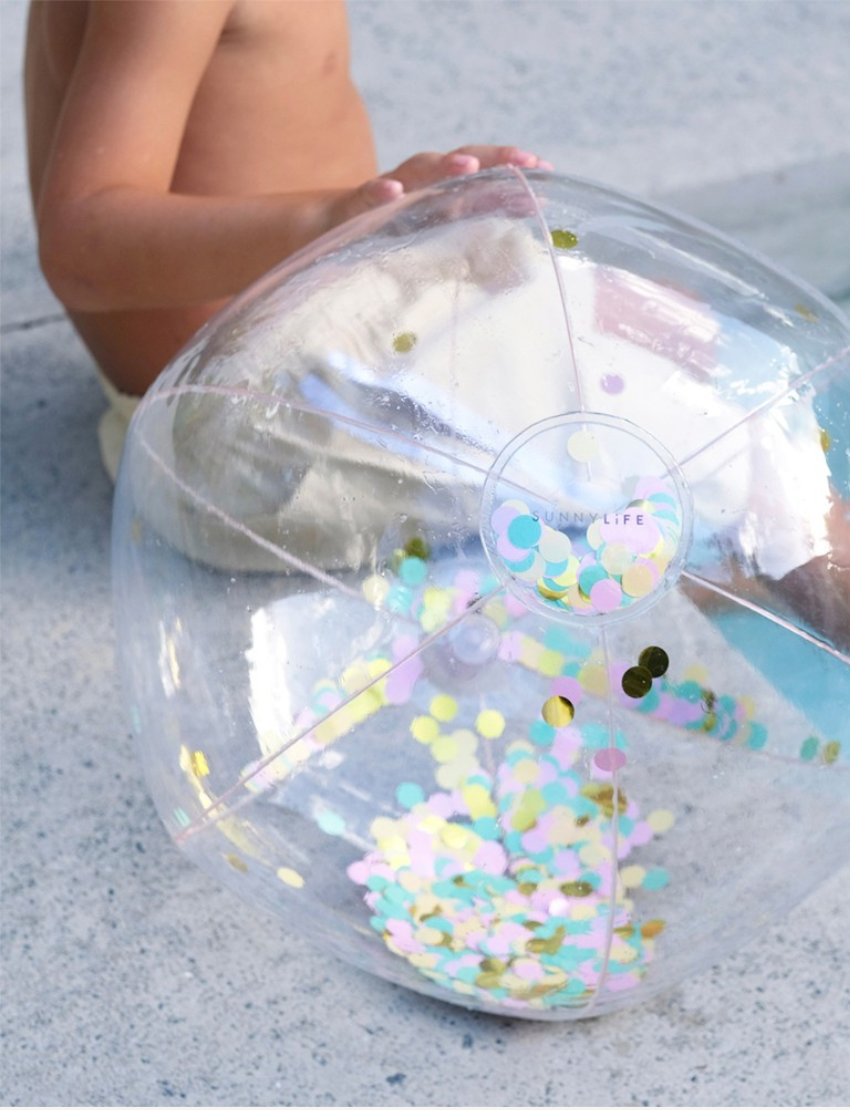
(482, 599)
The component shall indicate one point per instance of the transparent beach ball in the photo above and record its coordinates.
(482, 594)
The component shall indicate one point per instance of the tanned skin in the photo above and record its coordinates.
(178, 149)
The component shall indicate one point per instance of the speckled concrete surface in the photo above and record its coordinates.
(129, 978)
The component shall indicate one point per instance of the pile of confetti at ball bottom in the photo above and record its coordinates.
(512, 882)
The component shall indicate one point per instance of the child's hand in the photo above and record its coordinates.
(426, 169)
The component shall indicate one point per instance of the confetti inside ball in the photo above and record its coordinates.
(482, 594)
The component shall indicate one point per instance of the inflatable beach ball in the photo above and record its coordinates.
(482, 594)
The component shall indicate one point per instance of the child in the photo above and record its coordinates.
(180, 149)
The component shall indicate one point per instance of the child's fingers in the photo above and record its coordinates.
(489, 156)
(429, 167)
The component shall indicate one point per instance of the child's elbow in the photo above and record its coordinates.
(69, 267)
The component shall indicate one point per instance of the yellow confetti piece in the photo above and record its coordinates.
(431, 823)
(382, 828)
(437, 599)
(697, 672)
(554, 546)
(478, 802)
(616, 558)
(290, 877)
(529, 652)
(364, 705)
(825, 440)
(452, 775)
(490, 724)
(531, 805)
(632, 876)
(592, 854)
(455, 836)
(526, 771)
(354, 678)
(594, 535)
(748, 705)
(377, 667)
(236, 862)
(582, 446)
(426, 960)
(426, 935)
(637, 580)
(594, 680)
(550, 663)
(444, 749)
(332, 728)
(583, 911)
(375, 589)
(562, 825)
(548, 592)
(577, 599)
(467, 742)
(424, 729)
(410, 882)
(623, 953)
(200, 767)
(404, 342)
(443, 707)
(393, 845)
(661, 821)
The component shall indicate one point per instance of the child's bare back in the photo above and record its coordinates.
(179, 149)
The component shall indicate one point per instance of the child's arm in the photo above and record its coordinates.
(112, 235)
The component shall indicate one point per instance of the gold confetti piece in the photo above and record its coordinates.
(548, 592)
(652, 928)
(290, 877)
(637, 682)
(805, 312)
(404, 342)
(655, 659)
(825, 440)
(199, 764)
(418, 548)
(576, 889)
(602, 793)
(564, 240)
(236, 862)
(831, 751)
(557, 711)
(550, 945)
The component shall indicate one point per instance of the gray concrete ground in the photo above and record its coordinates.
(129, 978)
